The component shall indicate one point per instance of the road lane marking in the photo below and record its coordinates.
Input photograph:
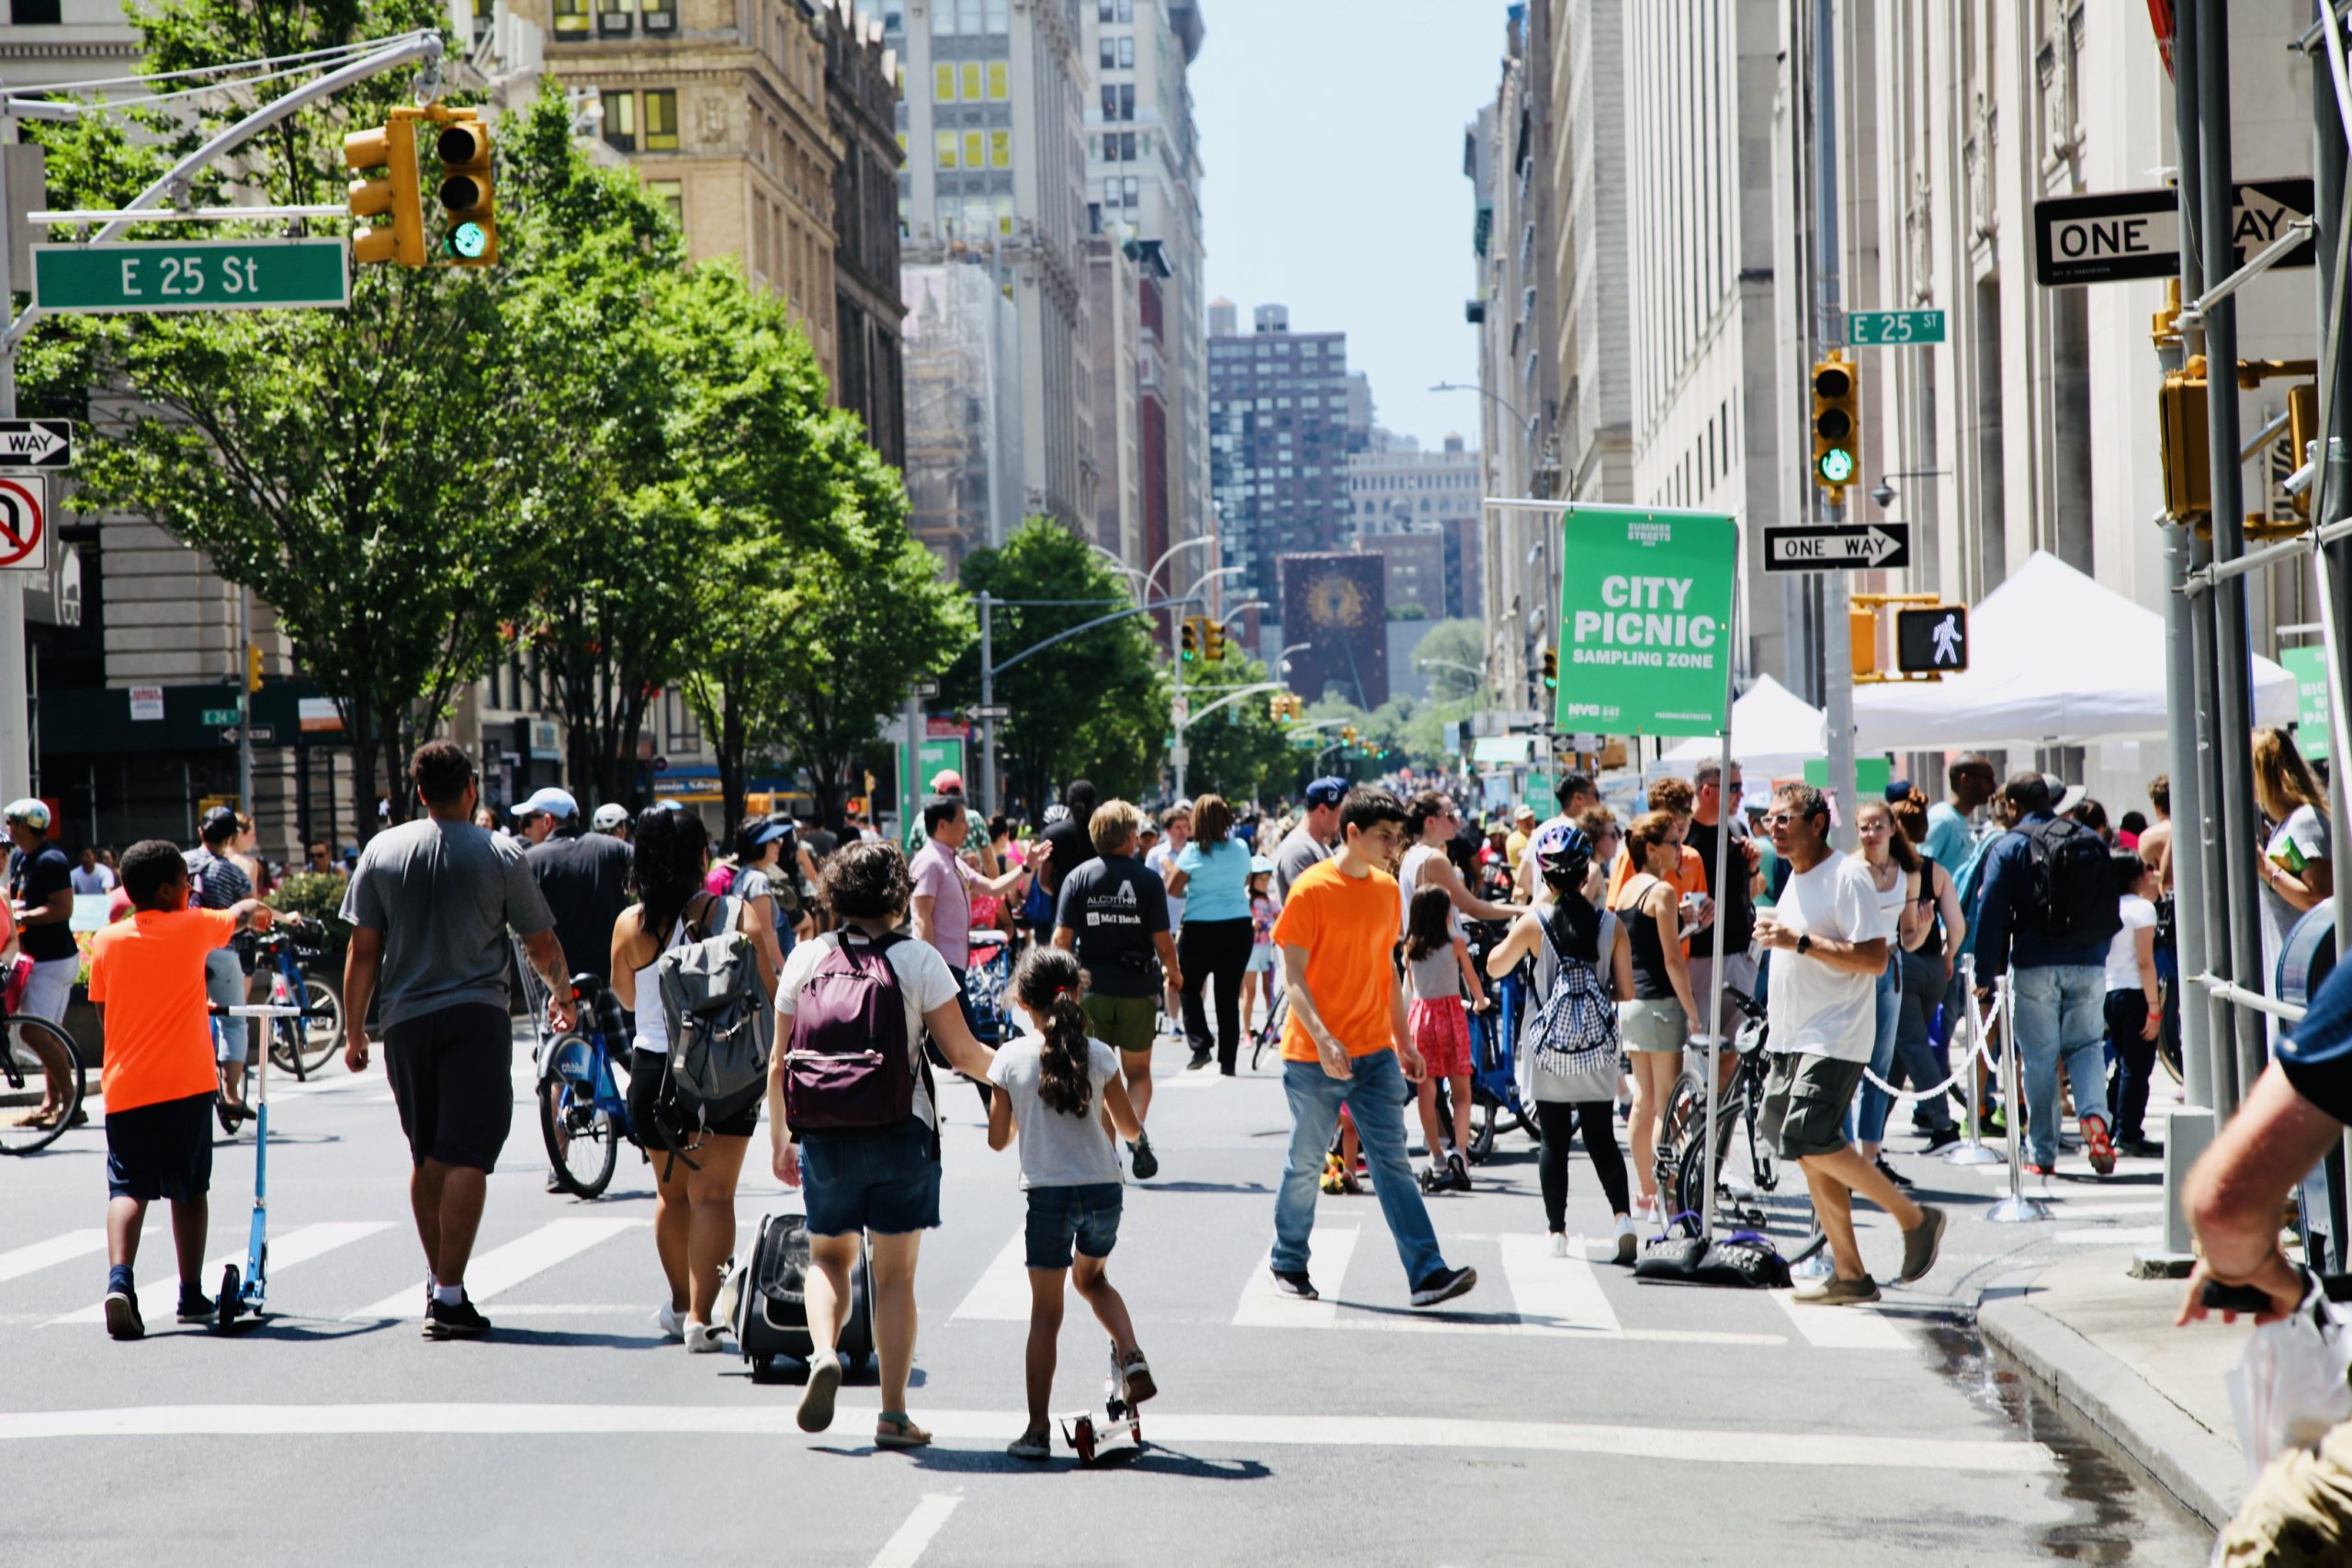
(2104, 1211)
(1555, 1292)
(1001, 1293)
(21, 1261)
(2110, 1236)
(160, 1298)
(903, 1548)
(988, 1429)
(1842, 1328)
(1262, 1306)
(509, 1266)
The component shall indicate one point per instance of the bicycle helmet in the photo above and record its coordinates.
(33, 813)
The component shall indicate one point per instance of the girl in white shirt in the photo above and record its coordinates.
(2136, 1007)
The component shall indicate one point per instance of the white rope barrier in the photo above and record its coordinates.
(1979, 1052)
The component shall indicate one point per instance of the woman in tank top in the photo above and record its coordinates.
(1657, 1022)
(1894, 867)
(694, 1217)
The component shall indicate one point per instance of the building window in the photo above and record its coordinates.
(1000, 81)
(1133, 190)
(571, 16)
(672, 194)
(661, 120)
(1126, 54)
(972, 81)
(975, 153)
(620, 119)
(1004, 215)
(1000, 149)
(1109, 56)
(943, 153)
(943, 83)
(1126, 147)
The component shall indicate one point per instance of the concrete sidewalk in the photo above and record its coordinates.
(2106, 1344)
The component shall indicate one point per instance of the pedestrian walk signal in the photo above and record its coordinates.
(1189, 644)
(467, 198)
(1837, 425)
(1932, 640)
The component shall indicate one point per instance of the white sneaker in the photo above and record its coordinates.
(670, 1322)
(1626, 1244)
(702, 1338)
(1559, 1244)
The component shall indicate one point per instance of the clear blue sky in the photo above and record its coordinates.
(1331, 130)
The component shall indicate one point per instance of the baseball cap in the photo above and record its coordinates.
(2063, 797)
(551, 802)
(1326, 791)
(218, 817)
(1524, 813)
(609, 815)
(1258, 863)
(32, 812)
(948, 781)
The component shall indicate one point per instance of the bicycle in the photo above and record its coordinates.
(584, 1113)
(300, 1047)
(1270, 1032)
(39, 1068)
(1679, 1175)
(1493, 1052)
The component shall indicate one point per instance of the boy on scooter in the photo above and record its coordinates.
(159, 1081)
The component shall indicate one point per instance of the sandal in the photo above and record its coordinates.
(908, 1436)
(1034, 1444)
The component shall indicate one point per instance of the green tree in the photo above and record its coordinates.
(1238, 751)
(1449, 656)
(1093, 704)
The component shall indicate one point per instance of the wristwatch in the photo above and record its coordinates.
(1804, 944)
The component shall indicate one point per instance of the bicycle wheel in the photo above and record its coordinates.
(40, 1084)
(1482, 1131)
(1677, 1129)
(321, 1031)
(581, 1143)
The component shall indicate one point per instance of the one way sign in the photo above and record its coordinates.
(1873, 547)
(36, 442)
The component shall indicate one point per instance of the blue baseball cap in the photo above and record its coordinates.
(549, 801)
(1326, 791)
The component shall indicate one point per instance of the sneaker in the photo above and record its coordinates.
(1943, 1137)
(122, 1315)
(1444, 1286)
(1902, 1182)
(2097, 1147)
(1294, 1283)
(1458, 1177)
(1837, 1292)
(1143, 1162)
(2032, 1168)
(670, 1321)
(1559, 1244)
(1035, 1447)
(1131, 1377)
(1200, 1059)
(454, 1320)
(1921, 1243)
(702, 1338)
(1626, 1244)
(555, 1183)
(2139, 1148)
(197, 1307)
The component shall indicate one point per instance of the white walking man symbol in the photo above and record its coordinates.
(1946, 636)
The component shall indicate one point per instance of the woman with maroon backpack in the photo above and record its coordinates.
(856, 1130)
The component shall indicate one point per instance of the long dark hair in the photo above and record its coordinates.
(1577, 926)
(1047, 985)
(1425, 922)
(666, 864)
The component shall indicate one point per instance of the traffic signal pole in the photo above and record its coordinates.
(1829, 331)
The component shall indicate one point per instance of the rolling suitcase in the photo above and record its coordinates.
(765, 1304)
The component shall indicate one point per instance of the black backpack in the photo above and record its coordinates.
(2075, 900)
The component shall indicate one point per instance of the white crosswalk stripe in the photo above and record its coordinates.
(1842, 1328)
(1262, 1306)
(159, 1297)
(1556, 1293)
(503, 1267)
(1002, 1294)
(21, 1261)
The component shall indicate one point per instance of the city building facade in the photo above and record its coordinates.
(861, 106)
(1410, 504)
(1278, 443)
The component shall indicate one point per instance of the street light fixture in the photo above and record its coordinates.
(1883, 492)
(1241, 609)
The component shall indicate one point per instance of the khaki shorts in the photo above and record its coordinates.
(2299, 1511)
(1127, 1024)
(1806, 1101)
(1652, 1025)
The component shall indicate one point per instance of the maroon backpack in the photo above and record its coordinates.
(845, 1065)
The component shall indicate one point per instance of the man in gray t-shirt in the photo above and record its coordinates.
(430, 905)
(1311, 840)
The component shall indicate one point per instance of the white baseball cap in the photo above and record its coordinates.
(551, 801)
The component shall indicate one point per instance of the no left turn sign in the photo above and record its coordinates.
(24, 523)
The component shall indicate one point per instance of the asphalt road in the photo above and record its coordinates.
(1563, 1414)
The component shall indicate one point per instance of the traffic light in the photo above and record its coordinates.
(1278, 707)
(1862, 637)
(1931, 640)
(253, 667)
(1189, 647)
(1347, 734)
(466, 199)
(2181, 443)
(393, 148)
(1551, 669)
(1215, 651)
(1837, 423)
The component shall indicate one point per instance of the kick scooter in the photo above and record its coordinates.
(1115, 1436)
(242, 1296)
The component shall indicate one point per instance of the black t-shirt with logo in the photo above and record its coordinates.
(35, 879)
(1116, 906)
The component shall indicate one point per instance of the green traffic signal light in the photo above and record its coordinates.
(466, 241)
(1836, 465)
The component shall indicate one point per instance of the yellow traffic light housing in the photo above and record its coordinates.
(1188, 648)
(1862, 637)
(1837, 423)
(1214, 650)
(1551, 669)
(2181, 443)
(253, 667)
(393, 148)
(467, 198)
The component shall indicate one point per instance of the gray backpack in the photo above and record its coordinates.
(722, 1028)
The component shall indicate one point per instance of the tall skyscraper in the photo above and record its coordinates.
(1278, 443)
(1421, 510)
(992, 121)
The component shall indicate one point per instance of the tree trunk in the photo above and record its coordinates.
(363, 768)
(730, 748)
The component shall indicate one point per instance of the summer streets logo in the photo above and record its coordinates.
(1646, 621)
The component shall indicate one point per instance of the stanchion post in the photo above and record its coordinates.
(2016, 1208)
(1972, 1150)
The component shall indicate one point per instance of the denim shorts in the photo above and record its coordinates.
(1088, 1214)
(883, 1182)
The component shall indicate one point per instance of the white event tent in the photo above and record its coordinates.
(2054, 659)
(1774, 732)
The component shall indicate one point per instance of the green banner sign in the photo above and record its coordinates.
(1646, 621)
(192, 274)
(2308, 665)
(1542, 793)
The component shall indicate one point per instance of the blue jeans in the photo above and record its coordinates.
(2061, 1012)
(1876, 1101)
(1375, 1098)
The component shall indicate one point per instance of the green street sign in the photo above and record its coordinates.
(2308, 665)
(192, 274)
(1542, 793)
(1876, 329)
(1645, 612)
(217, 715)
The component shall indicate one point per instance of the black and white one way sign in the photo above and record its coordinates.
(2110, 235)
(1873, 547)
(36, 442)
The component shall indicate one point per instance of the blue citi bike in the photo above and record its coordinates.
(581, 1092)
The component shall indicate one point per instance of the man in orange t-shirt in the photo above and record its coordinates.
(1690, 872)
(1346, 1044)
(159, 1081)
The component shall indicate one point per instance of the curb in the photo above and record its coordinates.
(2201, 1468)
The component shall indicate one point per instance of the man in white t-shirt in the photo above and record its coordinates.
(1829, 947)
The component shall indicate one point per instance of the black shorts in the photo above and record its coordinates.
(452, 1078)
(646, 1070)
(163, 1150)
